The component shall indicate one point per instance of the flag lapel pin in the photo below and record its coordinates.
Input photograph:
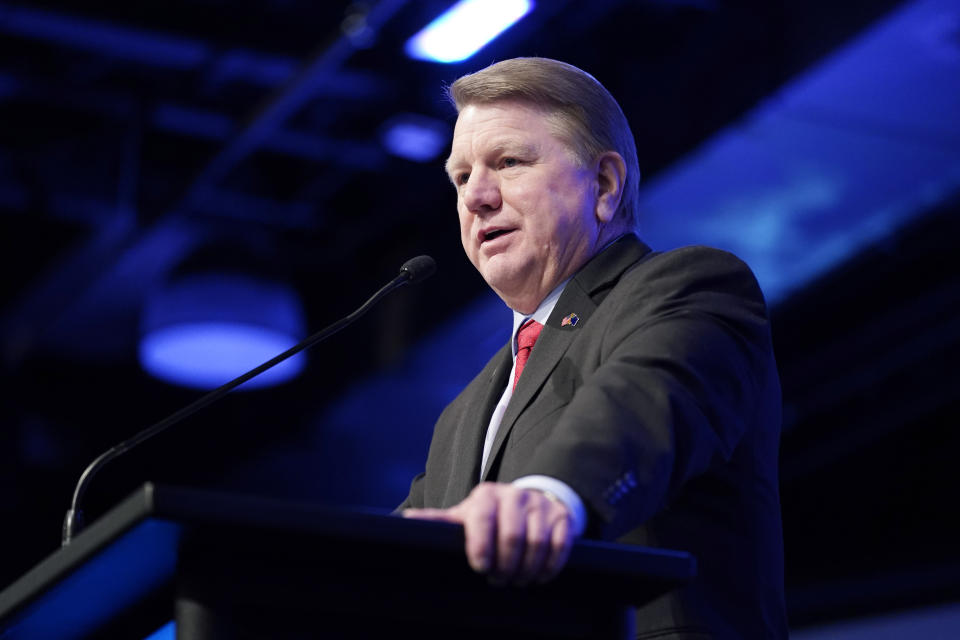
(570, 321)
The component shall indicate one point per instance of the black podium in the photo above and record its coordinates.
(225, 566)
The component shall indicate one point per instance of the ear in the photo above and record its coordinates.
(611, 177)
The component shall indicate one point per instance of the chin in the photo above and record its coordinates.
(497, 270)
(508, 283)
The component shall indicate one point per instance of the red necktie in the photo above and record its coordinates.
(526, 338)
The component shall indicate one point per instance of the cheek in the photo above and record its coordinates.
(466, 235)
(573, 207)
(464, 223)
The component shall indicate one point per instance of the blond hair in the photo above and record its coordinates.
(582, 112)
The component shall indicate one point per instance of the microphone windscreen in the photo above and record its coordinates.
(419, 268)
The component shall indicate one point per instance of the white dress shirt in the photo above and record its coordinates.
(548, 484)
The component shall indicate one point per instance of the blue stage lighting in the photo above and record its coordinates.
(840, 158)
(206, 330)
(414, 137)
(465, 28)
(166, 632)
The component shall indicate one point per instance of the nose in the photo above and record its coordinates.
(482, 191)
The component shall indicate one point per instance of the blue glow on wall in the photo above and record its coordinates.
(840, 158)
(205, 330)
(393, 431)
(465, 28)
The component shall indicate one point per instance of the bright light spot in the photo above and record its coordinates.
(204, 330)
(465, 28)
(416, 138)
(207, 355)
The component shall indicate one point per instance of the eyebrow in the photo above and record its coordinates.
(448, 166)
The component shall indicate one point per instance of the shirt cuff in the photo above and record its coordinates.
(564, 493)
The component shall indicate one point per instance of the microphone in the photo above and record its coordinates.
(419, 268)
(413, 270)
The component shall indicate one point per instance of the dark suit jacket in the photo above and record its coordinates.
(661, 409)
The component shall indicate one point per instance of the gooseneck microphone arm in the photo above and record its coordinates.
(413, 270)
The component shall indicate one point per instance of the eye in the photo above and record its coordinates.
(510, 162)
(461, 179)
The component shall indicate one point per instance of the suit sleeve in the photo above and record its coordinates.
(414, 499)
(685, 369)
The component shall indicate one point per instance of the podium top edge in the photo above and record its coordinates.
(183, 509)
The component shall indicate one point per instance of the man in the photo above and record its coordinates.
(648, 409)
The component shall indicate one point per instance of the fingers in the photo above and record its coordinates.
(516, 536)
(480, 526)
(511, 533)
(537, 544)
(561, 542)
(441, 515)
(533, 537)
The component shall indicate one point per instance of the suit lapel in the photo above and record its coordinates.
(580, 297)
(473, 426)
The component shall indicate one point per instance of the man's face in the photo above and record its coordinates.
(527, 208)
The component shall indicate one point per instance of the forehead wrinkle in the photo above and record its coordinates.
(512, 144)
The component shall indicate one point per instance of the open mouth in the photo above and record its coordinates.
(496, 234)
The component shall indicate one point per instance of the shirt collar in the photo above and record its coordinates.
(540, 315)
(546, 307)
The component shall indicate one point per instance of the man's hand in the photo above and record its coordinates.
(513, 535)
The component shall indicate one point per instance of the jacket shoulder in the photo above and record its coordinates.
(694, 269)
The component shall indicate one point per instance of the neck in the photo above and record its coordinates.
(527, 303)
